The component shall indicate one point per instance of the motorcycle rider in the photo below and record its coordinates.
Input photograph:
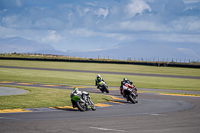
(128, 83)
(123, 82)
(98, 80)
(75, 92)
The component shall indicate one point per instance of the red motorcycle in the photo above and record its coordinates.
(129, 92)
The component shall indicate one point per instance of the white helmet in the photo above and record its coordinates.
(98, 75)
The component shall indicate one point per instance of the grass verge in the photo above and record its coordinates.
(80, 78)
(43, 97)
(104, 67)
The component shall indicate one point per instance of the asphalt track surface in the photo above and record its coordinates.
(153, 114)
(11, 91)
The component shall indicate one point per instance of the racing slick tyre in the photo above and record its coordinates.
(93, 108)
(132, 99)
(81, 106)
(107, 91)
(92, 105)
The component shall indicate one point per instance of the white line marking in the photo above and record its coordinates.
(158, 114)
(8, 118)
(106, 129)
(154, 114)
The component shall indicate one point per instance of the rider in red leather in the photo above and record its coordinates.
(127, 83)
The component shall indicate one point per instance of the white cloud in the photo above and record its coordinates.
(95, 50)
(191, 1)
(7, 32)
(90, 4)
(10, 21)
(49, 23)
(19, 3)
(102, 12)
(172, 37)
(97, 21)
(188, 52)
(186, 24)
(137, 7)
(86, 10)
(143, 26)
(194, 25)
(88, 33)
(117, 36)
(52, 37)
(83, 32)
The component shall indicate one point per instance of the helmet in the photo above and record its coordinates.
(98, 75)
(125, 79)
(75, 89)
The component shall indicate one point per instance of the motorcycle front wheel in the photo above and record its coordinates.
(132, 99)
(107, 91)
(93, 108)
(92, 105)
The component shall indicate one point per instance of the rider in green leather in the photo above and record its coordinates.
(74, 92)
(98, 80)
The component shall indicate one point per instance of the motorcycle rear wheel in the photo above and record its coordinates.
(80, 106)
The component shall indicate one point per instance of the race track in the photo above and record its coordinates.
(153, 114)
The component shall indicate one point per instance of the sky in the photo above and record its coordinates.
(98, 25)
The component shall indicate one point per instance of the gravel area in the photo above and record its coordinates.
(5, 91)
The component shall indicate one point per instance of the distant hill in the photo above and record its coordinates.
(148, 50)
(137, 50)
(21, 45)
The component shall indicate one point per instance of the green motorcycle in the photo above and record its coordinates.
(103, 87)
(82, 101)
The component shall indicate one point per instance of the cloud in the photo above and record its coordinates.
(83, 32)
(49, 23)
(194, 25)
(173, 37)
(7, 32)
(10, 21)
(191, 1)
(19, 3)
(137, 7)
(102, 12)
(188, 52)
(52, 37)
(186, 24)
(117, 36)
(142, 25)
(106, 23)
(95, 50)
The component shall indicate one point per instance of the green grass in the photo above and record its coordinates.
(80, 78)
(104, 67)
(43, 97)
